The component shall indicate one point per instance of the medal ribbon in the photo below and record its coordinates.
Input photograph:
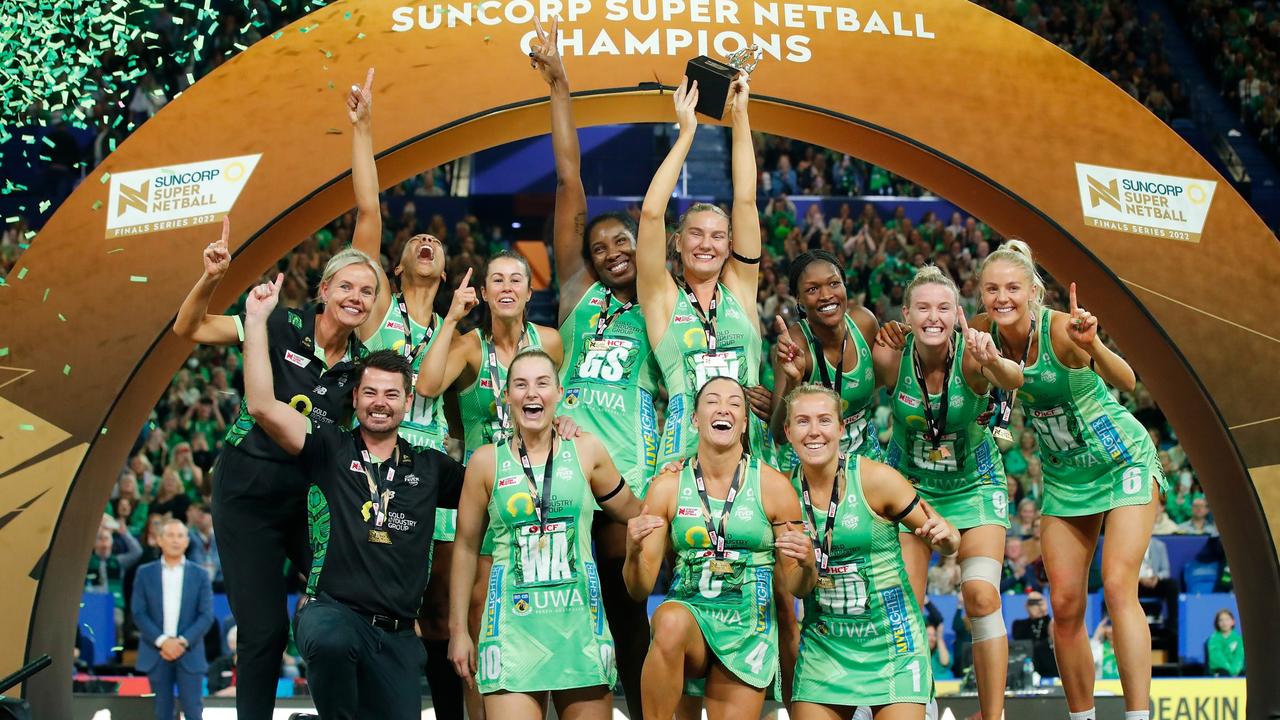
(820, 359)
(606, 318)
(411, 351)
(716, 531)
(1006, 403)
(708, 318)
(937, 424)
(541, 500)
(504, 417)
(824, 547)
(373, 473)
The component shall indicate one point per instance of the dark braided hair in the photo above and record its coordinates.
(628, 224)
(804, 260)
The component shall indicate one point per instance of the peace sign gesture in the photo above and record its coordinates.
(545, 55)
(360, 101)
(1082, 327)
(686, 99)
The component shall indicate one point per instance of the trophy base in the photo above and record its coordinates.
(714, 81)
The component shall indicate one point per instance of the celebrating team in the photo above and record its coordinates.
(755, 499)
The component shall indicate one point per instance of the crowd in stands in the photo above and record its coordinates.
(1239, 41)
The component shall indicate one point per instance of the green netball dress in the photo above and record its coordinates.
(609, 382)
(862, 640)
(734, 609)
(425, 424)
(1096, 455)
(687, 364)
(857, 397)
(478, 402)
(543, 626)
(966, 485)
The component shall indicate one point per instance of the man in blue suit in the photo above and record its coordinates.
(173, 608)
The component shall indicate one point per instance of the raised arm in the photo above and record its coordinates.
(367, 237)
(790, 365)
(795, 565)
(743, 277)
(1081, 327)
(194, 323)
(444, 362)
(570, 218)
(286, 426)
(889, 493)
(647, 538)
(653, 283)
(472, 521)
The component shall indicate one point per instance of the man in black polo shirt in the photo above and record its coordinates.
(371, 512)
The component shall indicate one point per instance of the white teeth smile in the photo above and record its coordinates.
(618, 267)
(1004, 310)
(379, 416)
(933, 331)
(704, 257)
(507, 301)
(721, 425)
(815, 446)
(350, 310)
(830, 307)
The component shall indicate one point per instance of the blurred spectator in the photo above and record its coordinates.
(1164, 524)
(1104, 652)
(1017, 575)
(944, 577)
(1224, 650)
(939, 658)
(203, 550)
(1024, 522)
(1038, 628)
(171, 500)
(1199, 523)
(222, 672)
(114, 552)
(1016, 459)
(1156, 583)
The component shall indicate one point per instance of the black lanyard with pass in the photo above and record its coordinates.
(708, 318)
(823, 547)
(504, 418)
(411, 351)
(715, 531)
(937, 423)
(1005, 398)
(379, 489)
(820, 359)
(606, 318)
(541, 499)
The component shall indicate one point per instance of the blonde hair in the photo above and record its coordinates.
(527, 353)
(1017, 252)
(703, 207)
(350, 256)
(808, 389)
(930, 275)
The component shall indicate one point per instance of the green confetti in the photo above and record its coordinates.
(114, 251)
(105, 177)
(22, 273)
(62, 317)
(46, 295)
(27, 427)
(66, 369)
(137, 278)
(97, 204)
(44, 205)
(4, 351)
(104, 431)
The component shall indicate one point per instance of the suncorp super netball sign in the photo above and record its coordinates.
(782, 30)
(176, 196)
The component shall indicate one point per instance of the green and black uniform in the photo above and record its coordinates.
(371, 521)
(610, 377)
(1097, 456)
(857, 391)
(862, 640)
(688, 361)
(733, 602)
(260, 499)
(544, 625)
(962, 473)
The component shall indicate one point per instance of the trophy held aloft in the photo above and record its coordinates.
(715, 78)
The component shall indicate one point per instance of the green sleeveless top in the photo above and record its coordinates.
(965, 443)
(686, 366)
(544, 593)
(609, 383)
(425, 424)
(1082, 430)
(478, 402)
(748, 542)
(863, 618)
(857, 392)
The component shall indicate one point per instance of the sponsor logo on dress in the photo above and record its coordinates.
(398, 326)
(688, 512)
(296, 359)
(520, 604)
(907, 400)
(355, 466)
(899, 624)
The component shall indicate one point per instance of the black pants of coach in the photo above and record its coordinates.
(259, 519)
(356, 670)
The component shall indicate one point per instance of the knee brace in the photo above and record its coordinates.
(987, 627)
(981, 568)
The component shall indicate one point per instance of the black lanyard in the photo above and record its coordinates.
(937, 424)
(504, 418)
(1005, 398)
(823, 547)
(410, 350)
(377, 486)
(541, 500)
(606, 318)
(716, 531)
(708, 318)
(820, 359)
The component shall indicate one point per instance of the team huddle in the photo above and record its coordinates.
(574, 500)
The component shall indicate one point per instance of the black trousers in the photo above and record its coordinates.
(358, 671)
(259, 519)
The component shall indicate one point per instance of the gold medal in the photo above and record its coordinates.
(719, 567)
(542, 541)
(379, 537)
(826, 582)
(935, 455)
(1002, 434)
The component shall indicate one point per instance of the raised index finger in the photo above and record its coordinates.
(368, 82)
(964, 322)
(466, 279)
(1073, 298)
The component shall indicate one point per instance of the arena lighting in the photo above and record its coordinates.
(1017, 132)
